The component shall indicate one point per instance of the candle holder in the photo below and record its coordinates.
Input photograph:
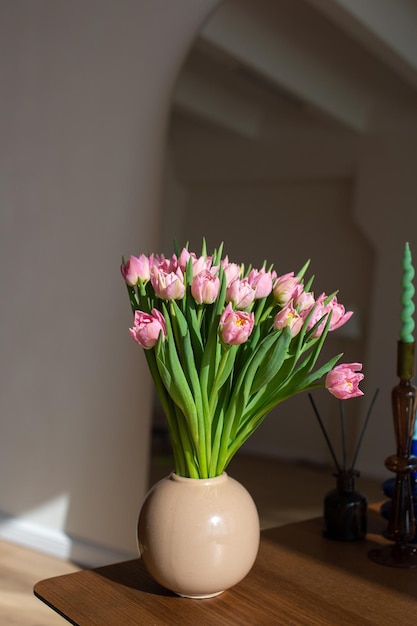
(401, 524)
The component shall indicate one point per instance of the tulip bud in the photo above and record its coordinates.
(147, 328)
(343, 381)
(288, 316)
(261, 281)
(235, 326)
(168, 285)
(134, 269)
(205, 287)
(240, 293)
(286, 288)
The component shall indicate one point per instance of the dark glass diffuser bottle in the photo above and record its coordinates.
(345, 509)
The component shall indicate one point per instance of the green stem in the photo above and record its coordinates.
(265, 314)
(235, 446)
(202, 448)
(199, 314)
(214, 464)
(177, 450)
(190, 461)
(209, 409)
(224, 443)
(169, 410)
(215, 388)
(175, 330)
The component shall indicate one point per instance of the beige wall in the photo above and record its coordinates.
(86, 94)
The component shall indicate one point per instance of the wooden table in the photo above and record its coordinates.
(299, 579)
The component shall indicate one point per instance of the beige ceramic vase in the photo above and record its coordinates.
(198, 537)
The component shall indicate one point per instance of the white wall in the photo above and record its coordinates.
(86, 90)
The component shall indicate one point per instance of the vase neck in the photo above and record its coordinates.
(346, 481)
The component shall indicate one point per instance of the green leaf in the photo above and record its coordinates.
(170, 368)
(303, 269)
(303, 381)
(133, 298)
(269, 358)
(212, 350)
(195, 332)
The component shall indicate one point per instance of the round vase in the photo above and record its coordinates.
(345, 510)
(198, 537)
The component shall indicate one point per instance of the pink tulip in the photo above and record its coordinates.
(339, 316)
(183, 259)
(288, 316)
(343, 380)
(205, 287)
(135, 268)
(159, 261)
(199, 264)
(168, 285)
(147, 328)
(261, 281)
(232, 271)
(304, 301)
(240, 293)
(235, 326)
(286, 288)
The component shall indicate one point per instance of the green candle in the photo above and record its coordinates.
(407, 321)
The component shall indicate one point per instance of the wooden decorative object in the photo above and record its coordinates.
(402, 525)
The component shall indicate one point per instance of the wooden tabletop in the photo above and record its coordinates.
(300, 578)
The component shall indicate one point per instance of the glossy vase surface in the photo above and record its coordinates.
(345, 510)
(198, 537)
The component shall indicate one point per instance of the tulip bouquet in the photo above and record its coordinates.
(225, 345)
